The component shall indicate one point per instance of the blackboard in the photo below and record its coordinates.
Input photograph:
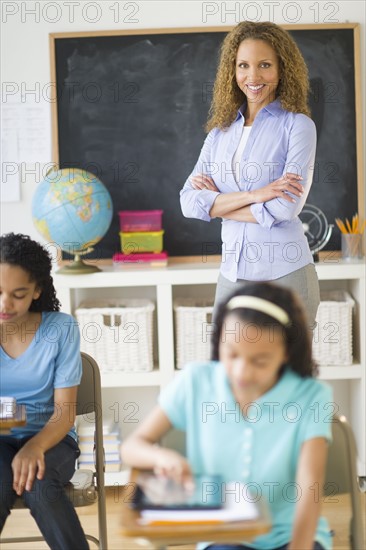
(131, 109)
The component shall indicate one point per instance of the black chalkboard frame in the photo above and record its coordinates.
(355, 27)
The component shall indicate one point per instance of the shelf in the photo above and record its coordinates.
(141, 276)
(333, 269)
(202, 273)
(115, 379)
(117, 478)
(341, 372)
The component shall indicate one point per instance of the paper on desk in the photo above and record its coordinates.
(235, 508)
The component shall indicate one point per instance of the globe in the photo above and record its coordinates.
(72, 208)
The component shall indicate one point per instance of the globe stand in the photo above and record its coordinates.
(78, 267)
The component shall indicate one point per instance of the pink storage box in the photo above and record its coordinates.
(147, 258)
(140, 220)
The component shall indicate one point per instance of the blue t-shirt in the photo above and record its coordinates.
(52, 360)
(260, 450)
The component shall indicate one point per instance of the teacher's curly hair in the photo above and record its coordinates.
(20, 250)
(293, 88)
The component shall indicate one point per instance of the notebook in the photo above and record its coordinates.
(164, 502)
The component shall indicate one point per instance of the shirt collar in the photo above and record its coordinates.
(274, 108)
(284, 387)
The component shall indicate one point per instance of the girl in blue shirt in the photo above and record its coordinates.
(41, 368)
(254, 415)
(256, 166)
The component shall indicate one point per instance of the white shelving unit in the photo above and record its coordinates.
(163, 284)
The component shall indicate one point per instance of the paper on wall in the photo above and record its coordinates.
(25, 144)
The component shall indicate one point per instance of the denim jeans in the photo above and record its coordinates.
(316, 546)
(47, 500)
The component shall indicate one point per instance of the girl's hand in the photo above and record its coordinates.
(27, 464)
(201, 181)
(288, 183)
(173, 465)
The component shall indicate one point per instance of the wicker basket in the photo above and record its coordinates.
(192, 333)
(332, 341)
(118, 333)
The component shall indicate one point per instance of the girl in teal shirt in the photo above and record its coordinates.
(255, 415)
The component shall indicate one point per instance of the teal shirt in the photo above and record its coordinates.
(261, 449)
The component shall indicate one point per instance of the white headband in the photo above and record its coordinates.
(259, 304)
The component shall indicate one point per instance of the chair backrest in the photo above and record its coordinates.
(89, 392)
(341, 474)
(89, 402)
(341, 467)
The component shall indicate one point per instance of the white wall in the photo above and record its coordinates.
(26, 58)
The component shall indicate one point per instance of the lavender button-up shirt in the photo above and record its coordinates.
(279, 142)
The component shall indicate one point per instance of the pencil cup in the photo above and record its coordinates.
(351, 246)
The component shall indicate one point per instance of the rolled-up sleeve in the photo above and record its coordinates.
(300, 160)
(198, 203)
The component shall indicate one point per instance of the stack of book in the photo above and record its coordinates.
(111, 443)
(141, 238)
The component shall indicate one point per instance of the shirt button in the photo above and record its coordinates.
(248, 432)
(247, 459)
(245, 474)
(247, 445)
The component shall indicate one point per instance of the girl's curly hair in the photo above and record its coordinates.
(293, 88)
(20, 250)
(297, 335)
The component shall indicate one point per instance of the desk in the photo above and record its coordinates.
(19, 419)
(160, 537)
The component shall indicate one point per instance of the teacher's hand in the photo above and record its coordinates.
(201, 181)
(288, 183)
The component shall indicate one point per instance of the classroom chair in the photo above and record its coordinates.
(86, 486)
(341, 476)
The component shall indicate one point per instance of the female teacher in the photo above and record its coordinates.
(256, 165)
